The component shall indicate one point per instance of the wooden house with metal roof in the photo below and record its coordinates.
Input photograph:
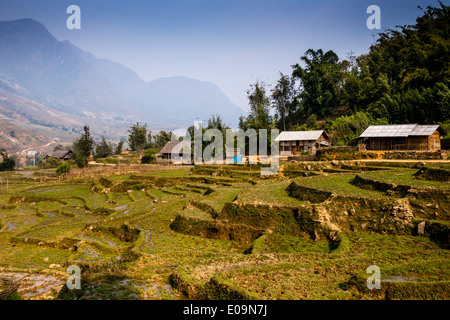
(403, 137)
(293, 143)
(174, 147)
(63, 154)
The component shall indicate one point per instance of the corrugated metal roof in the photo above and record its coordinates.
(171, 144)
(60, 154)
(399, 130)
(424, 130)
(299, 135)
(395, 130)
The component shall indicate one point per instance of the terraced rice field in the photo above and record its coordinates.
(224, 232)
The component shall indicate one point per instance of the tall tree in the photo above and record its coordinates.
(8, 163)
(259, 104)
(83, 146)
(259, 117)
(215, 122)
(282, 97)
(103, 149)
(137, 137)
(162, 138)
(320, 82)
(119, 147)
(149, 140)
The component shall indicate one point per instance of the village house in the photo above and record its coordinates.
(412, 137)
(173, 146)
(62, 155)
(295, 142)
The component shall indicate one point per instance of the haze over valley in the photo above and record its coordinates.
(50, 89)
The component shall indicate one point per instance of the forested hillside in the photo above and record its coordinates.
(404, 78)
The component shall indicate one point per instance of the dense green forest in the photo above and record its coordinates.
(404, 78)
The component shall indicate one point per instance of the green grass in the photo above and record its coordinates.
(220, 196)
(439, 165)
(402, 255)
(339, 184)
(192, 212)
(278, 266)
(289, 244)
(171, 173)
(272, 192)
(121, 177)
(310, 272)
(404, 177)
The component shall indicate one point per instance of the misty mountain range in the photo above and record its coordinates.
(65, 84)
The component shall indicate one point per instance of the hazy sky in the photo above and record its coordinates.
(231, 43)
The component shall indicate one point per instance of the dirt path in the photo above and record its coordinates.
(38, 147)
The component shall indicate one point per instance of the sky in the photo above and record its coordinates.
(232, 43)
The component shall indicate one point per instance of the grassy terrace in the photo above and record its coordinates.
(170, 173)
(408, 164)
(292, 275)
(193, 212)
(127, 249)
(404, 177)
(339, 184)
(270, 192)
(221, 195)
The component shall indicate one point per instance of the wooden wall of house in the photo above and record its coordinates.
(431, 143)
(379, 144)
(322, 138)
(294, 147)
(297, 147)
(434, 141)
(417, 143)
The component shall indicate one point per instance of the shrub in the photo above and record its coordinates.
(345, 128)
(7, 164)
(81, 161)
(63, 169)
(149, 156)
(49, 163)
(446, 126)
(113, 160)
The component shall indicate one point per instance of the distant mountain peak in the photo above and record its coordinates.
(24, 27)
(24, 23)
(58, 74)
